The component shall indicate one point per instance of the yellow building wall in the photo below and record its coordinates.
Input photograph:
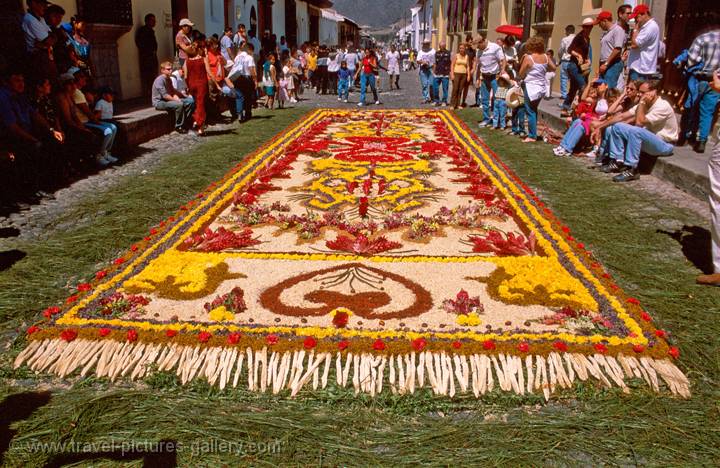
(127, 51)
(500, 12)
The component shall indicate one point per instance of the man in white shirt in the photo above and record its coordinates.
(38, 40)
(351, 60)
(226, 45)
(644, 45)
(242, 75)
(565, 56)
(611, 45)
(490, 62)
(393, 66)
(654, 132)
(426, 60)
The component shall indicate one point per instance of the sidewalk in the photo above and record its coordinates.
(686, 169)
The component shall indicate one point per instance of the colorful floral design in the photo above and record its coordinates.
(383, 233)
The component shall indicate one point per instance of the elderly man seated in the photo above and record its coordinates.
(654, 131)
(166, 97)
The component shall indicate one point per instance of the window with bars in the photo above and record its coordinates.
(518, 11)
(482, 14)
(544, 11)
(106, 11)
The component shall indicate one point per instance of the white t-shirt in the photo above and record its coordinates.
(334, 63)
(238, 69)
(644, 58)
(490, 58)
(351, 58)
(105, 108)
(393, 60)
(661, 120)
(36, 30)
(427, 57)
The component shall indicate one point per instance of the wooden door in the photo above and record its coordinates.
(684, 21)
(179, 11)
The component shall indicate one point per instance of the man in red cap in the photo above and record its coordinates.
(644, 45)
(611, 44)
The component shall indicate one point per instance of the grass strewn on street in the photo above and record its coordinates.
(587, 425)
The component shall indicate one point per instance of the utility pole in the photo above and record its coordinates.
(527, 20)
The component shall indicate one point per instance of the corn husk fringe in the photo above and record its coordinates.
(268, 371)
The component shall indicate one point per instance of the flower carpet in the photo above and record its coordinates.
(386, 250)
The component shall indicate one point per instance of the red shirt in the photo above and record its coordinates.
(368, 65)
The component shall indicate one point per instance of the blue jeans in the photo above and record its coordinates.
(612, 74)
(107, 130)
(445, 82)
(573, 135)
(628, 141)
(182, 109)
(531, 108)
(426, 81)
(365, 81)
(564, 80)
(487, 83)
(577, 83)
(634, 76)
(707, 103)
(518, 119)
(343, 88)
(499, 113)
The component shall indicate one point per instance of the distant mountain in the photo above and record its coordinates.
(375, 13)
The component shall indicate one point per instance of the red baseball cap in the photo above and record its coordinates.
(640, 9)
(603, 15)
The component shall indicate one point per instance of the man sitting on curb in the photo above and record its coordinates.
(165, 97)
(654, 133)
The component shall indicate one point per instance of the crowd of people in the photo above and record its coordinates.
(614, 113)
(54, 119)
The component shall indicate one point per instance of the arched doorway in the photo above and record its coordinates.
(253, 22)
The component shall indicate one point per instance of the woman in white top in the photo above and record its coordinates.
(532, 71)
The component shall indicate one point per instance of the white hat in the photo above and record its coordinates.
(514, 97)
(186, 22)
(588, 22)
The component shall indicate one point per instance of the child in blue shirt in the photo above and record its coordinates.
(344, 77)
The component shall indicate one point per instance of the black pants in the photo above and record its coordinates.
(333, 81)
(321, 82)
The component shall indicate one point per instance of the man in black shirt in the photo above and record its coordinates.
(147, 53)
(441, 70)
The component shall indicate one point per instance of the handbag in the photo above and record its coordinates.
(585, 67)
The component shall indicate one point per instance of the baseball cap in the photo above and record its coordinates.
(588, 22)
(598, 82)
(186, 22)
(640, 9)
(603, 15)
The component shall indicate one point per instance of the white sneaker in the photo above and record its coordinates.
(110, 158)
(102, 160)
(345, 100)
(560, 151)
(444, 104)
(360, 104)
(377, 103)
(339, 99)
